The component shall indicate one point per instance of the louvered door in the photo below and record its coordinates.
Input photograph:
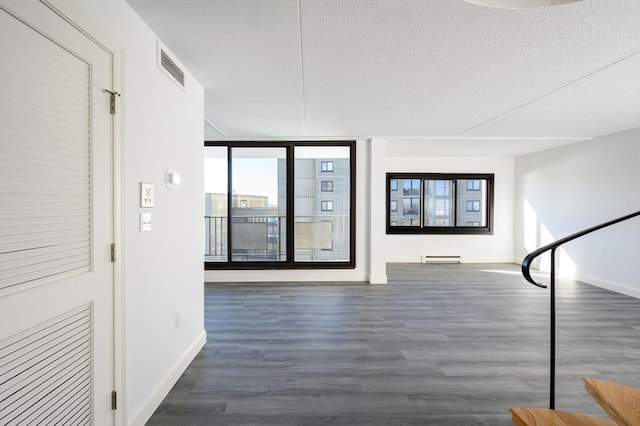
(56, 226)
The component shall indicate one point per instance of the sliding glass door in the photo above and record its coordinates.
(216, 246)
(259, 204)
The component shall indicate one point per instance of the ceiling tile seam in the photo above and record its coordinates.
(214, 127)
(549, 93)
(302, 138)
(304, 98)
(493, 138)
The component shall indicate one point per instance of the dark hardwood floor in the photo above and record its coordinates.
(438, 345)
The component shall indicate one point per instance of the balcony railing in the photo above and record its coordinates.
(263, 238)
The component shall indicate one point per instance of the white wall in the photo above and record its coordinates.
(162, 269)
(473, 248)
(377, 202)
(564, 190)
(376, 157)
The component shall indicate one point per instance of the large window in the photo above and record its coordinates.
(269, 205)
(438, 203)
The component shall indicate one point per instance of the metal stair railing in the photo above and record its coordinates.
(526, 272)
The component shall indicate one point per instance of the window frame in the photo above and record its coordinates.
(454, 229)
(290, 262)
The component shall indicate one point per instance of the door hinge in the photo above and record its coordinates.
(114, 400)
(113, 100)
(113, 253)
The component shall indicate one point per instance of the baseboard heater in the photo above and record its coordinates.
(441, 259)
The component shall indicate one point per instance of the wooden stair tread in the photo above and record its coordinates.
(527, 416)
(621, 402)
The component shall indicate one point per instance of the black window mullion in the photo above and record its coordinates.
(352, 207)
(388, 203)
(290, 204)
(229, 205)
(421, 202)
(454, 200)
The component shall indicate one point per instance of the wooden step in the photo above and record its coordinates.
(547, 417)
(621, 402)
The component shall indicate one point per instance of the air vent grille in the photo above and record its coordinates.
(46, 372)
(168, 64)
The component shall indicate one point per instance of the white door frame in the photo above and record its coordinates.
(93, 32)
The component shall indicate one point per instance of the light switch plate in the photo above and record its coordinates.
(145, 222)
(146, 194)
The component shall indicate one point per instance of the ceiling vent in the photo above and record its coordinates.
(169, 65)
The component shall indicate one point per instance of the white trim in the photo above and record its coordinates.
(395, 138)
(378, 279)
(161, 390)
(464, 259)
(492, 138)
(206, 121)
(626, 289)
(376, 232)
(284, 275)
(119, 241)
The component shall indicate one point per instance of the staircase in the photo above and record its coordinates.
(620, 402)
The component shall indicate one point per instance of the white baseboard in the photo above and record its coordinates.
(262, 276)
(627, 289)
(464, 259)
(168, 381)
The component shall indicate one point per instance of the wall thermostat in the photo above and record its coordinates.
(173, 179)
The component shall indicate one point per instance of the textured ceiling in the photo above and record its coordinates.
(407, 68)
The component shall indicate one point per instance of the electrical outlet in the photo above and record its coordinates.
(178, 318)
